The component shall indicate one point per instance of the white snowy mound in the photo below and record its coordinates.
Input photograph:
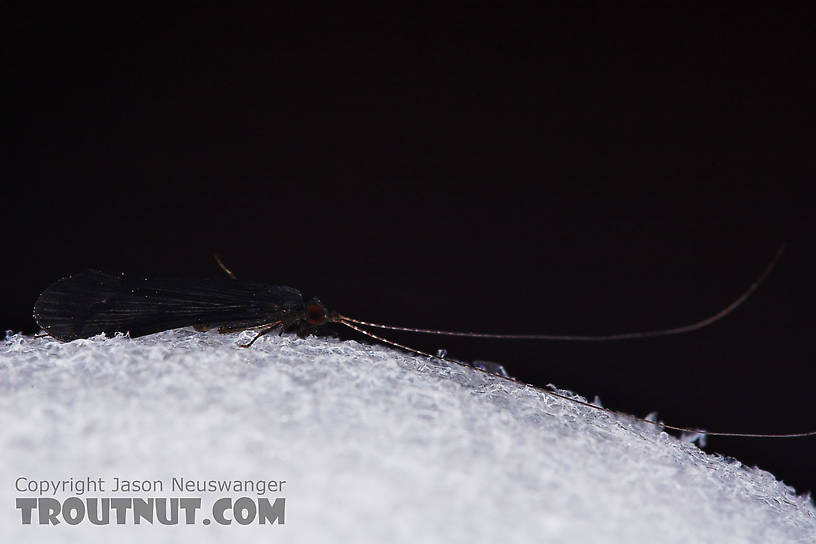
(374, 446)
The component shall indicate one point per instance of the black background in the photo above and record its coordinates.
(488, 170)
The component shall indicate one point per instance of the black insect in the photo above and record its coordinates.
(92, 302)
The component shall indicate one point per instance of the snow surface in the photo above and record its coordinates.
(375, 446)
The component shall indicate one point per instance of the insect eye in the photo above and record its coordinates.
(315, 314)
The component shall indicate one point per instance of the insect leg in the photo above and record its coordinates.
(266, 329)
(224, 267)
(261, 332)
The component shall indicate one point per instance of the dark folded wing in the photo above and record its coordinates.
(92, 302)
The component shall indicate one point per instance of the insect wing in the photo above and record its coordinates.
(92, 302)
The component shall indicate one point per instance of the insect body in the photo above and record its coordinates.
(93, 302)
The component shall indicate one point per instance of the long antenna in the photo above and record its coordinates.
(344, 321)
(595, 338)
